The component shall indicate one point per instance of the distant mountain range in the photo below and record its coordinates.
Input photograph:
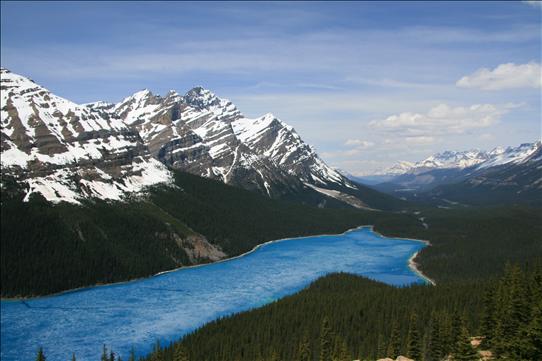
(474, 176)
(68, 152)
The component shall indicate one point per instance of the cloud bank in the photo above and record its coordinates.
(504, 76)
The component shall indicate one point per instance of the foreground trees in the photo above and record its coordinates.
(343, 317)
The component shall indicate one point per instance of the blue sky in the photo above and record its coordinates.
(367, 84)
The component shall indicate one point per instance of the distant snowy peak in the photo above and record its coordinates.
(66, 151)
(452, 159)
(400, 167)
(467, 159)
(516, 155)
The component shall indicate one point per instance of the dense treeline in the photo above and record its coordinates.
(476, 242)
(47, 248)
(343, 317)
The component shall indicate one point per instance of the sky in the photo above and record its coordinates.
(366, 83)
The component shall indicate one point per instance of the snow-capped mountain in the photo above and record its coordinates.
(66, 151)
(208, 136)
(505, 173)
(466, 159)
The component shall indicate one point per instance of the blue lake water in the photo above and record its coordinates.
(166, 306)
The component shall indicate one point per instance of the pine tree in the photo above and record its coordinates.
(132, 355)
(534, 333)
(489, 320)
(455, 334)
(463, 349)
(180, 353)
(41, 355)
(414, 347)
(73, 357)
(435, 350)
(274, 356)
(340, 350)
(445, 331)
(304, 350)
(325, 341)
(104, 354)
(394, 345)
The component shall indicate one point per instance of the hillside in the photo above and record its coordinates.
(48, 247)
(369, 320)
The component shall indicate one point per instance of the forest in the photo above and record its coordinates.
(342, 317)
(47, 248)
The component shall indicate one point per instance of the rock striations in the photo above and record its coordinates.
(67, 151)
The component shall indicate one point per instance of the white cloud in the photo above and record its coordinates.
(440, 120)
(358, 143)
(536, 3)
(422, 140)
(504, 76)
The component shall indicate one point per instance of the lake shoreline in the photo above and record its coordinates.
(411, 264)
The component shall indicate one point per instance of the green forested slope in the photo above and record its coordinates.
(470, 248)
(369, 320)
(47, 248)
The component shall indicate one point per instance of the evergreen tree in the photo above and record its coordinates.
(463, 349)
(132, 355)
(455, 332)
(534, 333)
(41, 355)
(73, 357)
(104, 354)
(325, 341)
(445, 331)
(304, 350)
(414, 347)
(180, 353)
(394, 345)
(340, 350)
(489, 320)
(435, 349)
(381, 346)
(274, 356)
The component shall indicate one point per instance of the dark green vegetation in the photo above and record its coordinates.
(342, 317)
(470, 248)
(47, 248)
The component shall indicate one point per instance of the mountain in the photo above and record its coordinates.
(65, 151)
(208, 136)
(69, 152)
(512, 175)
(500, 175)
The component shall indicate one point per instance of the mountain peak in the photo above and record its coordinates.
(200, 98)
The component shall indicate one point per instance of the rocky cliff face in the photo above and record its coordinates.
(208, 136)
(65, 151)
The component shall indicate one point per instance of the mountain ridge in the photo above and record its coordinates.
(62, 149)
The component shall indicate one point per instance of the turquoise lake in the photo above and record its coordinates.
(164, 307)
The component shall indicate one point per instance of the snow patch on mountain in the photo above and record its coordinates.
(68, 152)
